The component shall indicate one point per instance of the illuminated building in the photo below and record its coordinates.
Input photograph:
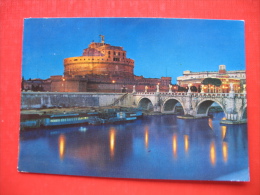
(103, 68)
(237, 78)
(100, 59)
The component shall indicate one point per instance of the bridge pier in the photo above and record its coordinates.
(157, 105)
(233, 118)
(196, 105)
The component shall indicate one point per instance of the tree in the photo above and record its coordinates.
(193, 88)
(212, 81)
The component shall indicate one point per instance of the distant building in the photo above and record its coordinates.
(237, 78)
(36, 85)
(103, 68)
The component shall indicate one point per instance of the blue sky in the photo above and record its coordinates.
(160, 47)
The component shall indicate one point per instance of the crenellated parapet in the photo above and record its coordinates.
(100, 59)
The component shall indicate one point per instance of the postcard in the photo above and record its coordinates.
(142, 98)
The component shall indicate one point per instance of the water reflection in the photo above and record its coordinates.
(179, 149)
(212, 153)
(174, 145)
(210, 123)
(223, 131)
(62, 144)
(225, 151)
(186, 143)
(112, 137)
(146, 137)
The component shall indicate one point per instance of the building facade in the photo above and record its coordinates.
(100, 59)
(236, 79)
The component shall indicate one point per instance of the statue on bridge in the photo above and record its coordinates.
(189, 85)
(157, 88)
(202, 89)
(145, 88)
(170, 88)
(244, 88)
(134, 89)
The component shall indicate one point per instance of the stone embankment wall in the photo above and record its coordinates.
(31, 100)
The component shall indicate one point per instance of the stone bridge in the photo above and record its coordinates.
(197, 105)
(234, 105)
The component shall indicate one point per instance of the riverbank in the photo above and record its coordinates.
(35, 118)
(78, 110)
(105, 109)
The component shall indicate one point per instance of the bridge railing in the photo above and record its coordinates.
(147, 93)
(162, 93)
(192, 94)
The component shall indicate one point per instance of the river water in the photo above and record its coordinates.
(154, 147)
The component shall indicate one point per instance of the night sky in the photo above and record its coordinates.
(160, 47)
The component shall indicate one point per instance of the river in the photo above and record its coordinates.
(153, 147)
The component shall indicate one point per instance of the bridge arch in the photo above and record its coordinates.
(170, 105)
(145, 104)
(204, 106)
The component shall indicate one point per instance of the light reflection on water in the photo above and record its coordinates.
(112, 133)
(225, 151)
(213, 153)
(186, 143)
(146, 137)
(62, 144)
(174, 145)
(159, 147)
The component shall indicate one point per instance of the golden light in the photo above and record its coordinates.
(210, 123)
(223, 130)
(212, 153)
(186, 143)
(146, 137)
(225, 151)
(112, 137)
(62, 143)
(113, 81)
(174, 145)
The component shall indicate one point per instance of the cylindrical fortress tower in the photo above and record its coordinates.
(100, 59)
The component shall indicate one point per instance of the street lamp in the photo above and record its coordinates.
(114, 85)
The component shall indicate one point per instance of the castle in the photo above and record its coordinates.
(101, 68)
